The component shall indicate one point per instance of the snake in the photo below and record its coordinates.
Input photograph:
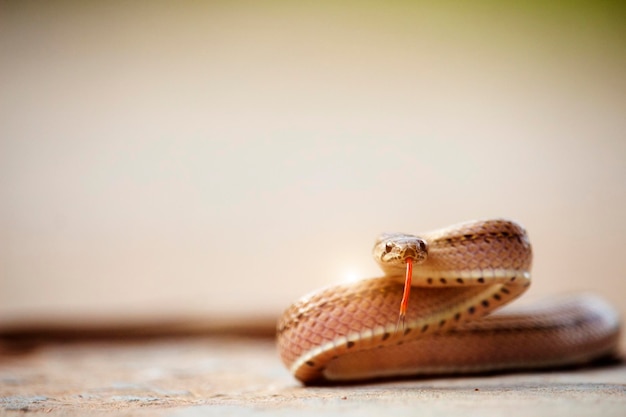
(459, 276)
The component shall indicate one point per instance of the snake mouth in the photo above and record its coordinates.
(409, 254)
(414, 255)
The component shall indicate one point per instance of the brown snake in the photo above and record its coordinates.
(463, 273)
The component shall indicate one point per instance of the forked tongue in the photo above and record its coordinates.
(405, 295)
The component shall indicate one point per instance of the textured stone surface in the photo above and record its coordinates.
(243, 376)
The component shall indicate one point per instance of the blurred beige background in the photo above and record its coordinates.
(220, 159)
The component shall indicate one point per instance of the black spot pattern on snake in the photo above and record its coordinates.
(386, 335)
(442, 323)
(443, 280)
(310, 363)
(513, 279)
(505, 290)
(350, 344)
(485, 303)
(471, 310)
(481, 280)
(484, 236)
(424, 328)
(497, 297)
(459, 280)
(429, 280)
(457, 316)
(407, 331)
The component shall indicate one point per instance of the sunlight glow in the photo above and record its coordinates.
(351, 275)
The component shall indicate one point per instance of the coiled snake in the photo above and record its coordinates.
(462, 273)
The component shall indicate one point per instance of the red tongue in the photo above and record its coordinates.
(407, 291)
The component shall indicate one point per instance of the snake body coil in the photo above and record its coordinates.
(349, 332)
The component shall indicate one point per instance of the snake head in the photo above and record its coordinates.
(393, 249)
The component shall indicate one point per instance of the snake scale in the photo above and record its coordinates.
(462, 273)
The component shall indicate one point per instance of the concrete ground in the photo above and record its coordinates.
(236, 375)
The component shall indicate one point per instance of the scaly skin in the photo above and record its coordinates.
(349, 332)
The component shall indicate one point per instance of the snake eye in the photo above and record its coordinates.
(422, 246)
(388, 247)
